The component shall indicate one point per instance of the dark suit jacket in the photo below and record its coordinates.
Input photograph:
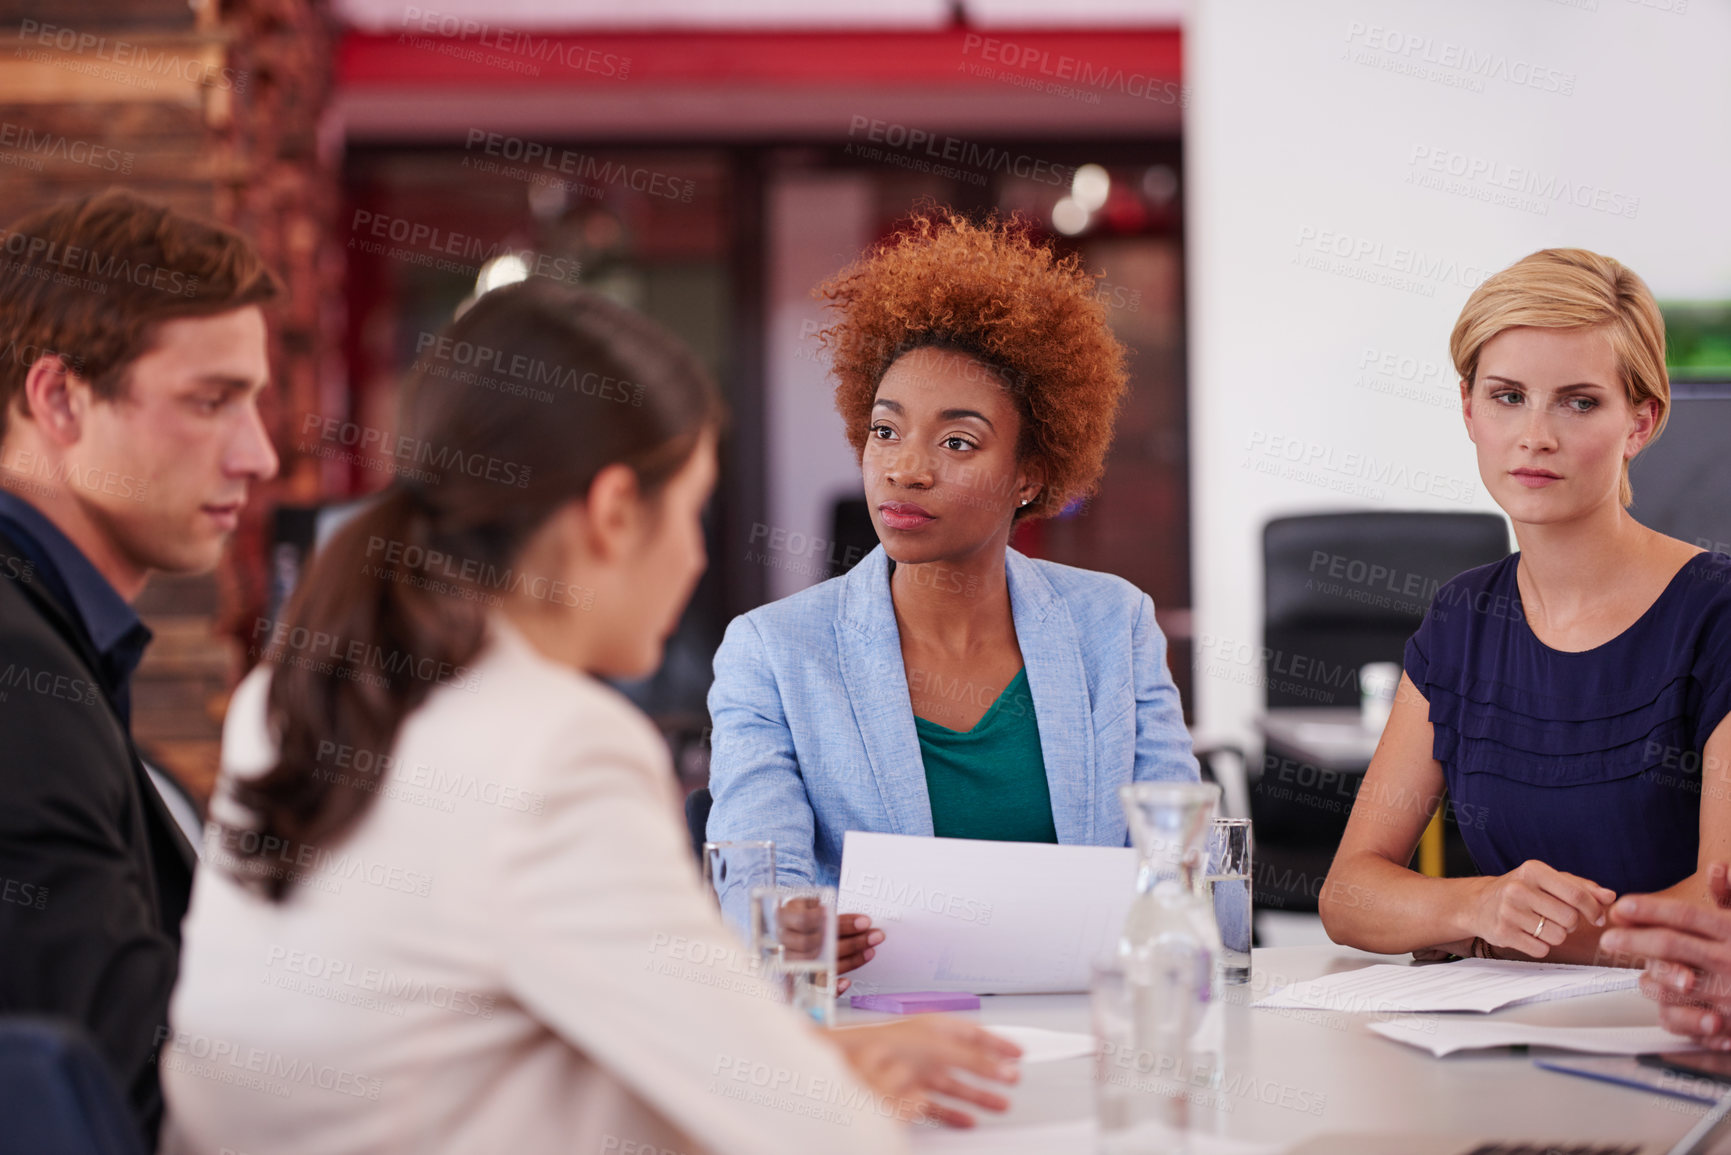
(94, 873)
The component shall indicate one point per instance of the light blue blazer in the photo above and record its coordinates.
(814, 732)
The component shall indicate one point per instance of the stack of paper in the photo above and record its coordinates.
(1472, 984)
(1445, 1035)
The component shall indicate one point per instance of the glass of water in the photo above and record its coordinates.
(731, 870)
(1227, 876)
(793, 930)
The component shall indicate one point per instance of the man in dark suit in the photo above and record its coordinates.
(134, 355)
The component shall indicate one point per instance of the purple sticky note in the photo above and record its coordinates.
(917, 1002)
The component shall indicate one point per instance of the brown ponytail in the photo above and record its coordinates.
(506, 417)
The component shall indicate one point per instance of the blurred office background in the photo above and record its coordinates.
(1287, 205)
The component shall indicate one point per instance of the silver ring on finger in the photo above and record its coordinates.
(1541, 929)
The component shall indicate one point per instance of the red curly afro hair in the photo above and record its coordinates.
(990, 291)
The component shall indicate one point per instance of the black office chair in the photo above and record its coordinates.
(57, 1096)
(1342, 590)
(697, 807)
(852, 534)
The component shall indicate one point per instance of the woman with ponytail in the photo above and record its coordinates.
(446, 902)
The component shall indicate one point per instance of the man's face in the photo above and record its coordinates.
(163, 470)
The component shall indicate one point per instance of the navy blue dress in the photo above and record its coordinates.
(1589, 762)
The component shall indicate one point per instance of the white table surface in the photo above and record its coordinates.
(1329, 736)
(1364, 1083)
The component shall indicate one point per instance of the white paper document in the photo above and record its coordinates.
(1445, 1035)
(964, 914)
(1473, 984)
(1040, 1045)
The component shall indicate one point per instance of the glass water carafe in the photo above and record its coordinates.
(1171, 931)
(1170, 942)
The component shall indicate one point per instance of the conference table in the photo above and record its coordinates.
(1293, 1075)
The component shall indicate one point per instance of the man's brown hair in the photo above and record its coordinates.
(92, 279)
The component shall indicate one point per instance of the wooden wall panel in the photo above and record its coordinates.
(214, 109)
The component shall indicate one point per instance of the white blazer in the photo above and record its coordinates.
(511, 951)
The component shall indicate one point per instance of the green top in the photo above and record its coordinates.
(990, 782)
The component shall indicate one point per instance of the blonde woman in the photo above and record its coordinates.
(1567, 696)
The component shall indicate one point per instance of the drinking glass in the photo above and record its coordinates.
(1227, 876)
(1377, 684)
(731, 870)
(793, 930)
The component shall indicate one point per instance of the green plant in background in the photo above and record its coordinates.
(1698, 340)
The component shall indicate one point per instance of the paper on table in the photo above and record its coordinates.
(1445, 1035)
(1040, 1045)
(1474, 984)
(1074, 1135)
(965, 914)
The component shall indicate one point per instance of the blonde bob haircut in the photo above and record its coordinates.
(1573, 289)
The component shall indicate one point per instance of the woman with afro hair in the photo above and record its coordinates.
(948, 685)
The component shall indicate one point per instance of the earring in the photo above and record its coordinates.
(1026, 500)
